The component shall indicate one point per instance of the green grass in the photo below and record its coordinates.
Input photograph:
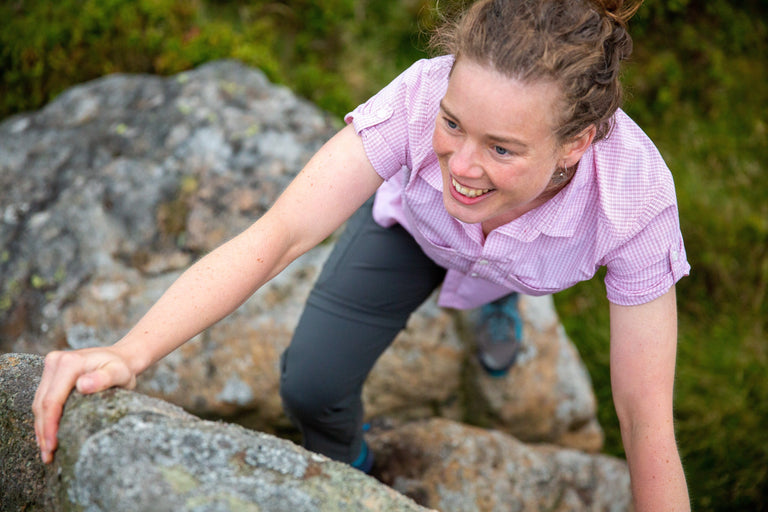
(721, 396)
(715, 146)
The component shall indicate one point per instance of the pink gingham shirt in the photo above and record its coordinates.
(618, 211)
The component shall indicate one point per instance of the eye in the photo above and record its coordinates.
(451, 124)
(501, 151)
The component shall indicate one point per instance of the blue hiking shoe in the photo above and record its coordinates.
(499, 335)
(364, 461)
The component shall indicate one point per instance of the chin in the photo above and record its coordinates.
(460, 212)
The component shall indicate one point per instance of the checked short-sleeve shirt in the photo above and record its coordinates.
(618, 211)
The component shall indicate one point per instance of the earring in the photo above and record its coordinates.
(561, 174)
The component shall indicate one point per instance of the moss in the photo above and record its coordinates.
(477, 410)
(233, 502)
(180, 480)
(5, 302)
(37, 282)
(60, 275)
(172, 215)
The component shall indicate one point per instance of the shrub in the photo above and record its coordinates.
(50, 46)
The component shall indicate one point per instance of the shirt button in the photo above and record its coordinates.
(383, 113)
(482, 262)
(473, 274)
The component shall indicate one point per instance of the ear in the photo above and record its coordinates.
(573, 149)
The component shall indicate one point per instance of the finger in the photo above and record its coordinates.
(59, 376)
(49, 368)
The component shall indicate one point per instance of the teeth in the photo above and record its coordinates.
(469, 192)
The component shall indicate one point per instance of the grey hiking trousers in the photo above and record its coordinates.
(373, 280)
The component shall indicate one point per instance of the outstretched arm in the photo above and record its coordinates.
(643, 353)
(337, 180)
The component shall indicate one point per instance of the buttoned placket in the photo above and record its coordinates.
(478, 268)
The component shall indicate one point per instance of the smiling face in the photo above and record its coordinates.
(495, 141)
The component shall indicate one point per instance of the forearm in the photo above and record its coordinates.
(656, 472)
(336, 181)
(207, 292)
(643, 352)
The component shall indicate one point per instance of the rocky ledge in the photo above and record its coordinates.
(123, 451)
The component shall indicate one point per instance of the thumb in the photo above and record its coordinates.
(93, 382)
(101, 379)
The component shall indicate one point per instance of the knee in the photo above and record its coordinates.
(303, 398)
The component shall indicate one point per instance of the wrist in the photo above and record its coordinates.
(132, 352)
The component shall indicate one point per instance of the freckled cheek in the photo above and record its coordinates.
(440, 144)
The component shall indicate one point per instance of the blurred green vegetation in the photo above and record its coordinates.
(334, 52)
(696, 84)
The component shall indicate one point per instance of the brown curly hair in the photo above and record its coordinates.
(578, 44)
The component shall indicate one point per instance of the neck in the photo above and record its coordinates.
(507, 217)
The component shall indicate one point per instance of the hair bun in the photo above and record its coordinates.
(618, 11)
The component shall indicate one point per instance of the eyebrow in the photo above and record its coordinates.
(495, 138)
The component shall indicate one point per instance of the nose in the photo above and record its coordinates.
(464, 161)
